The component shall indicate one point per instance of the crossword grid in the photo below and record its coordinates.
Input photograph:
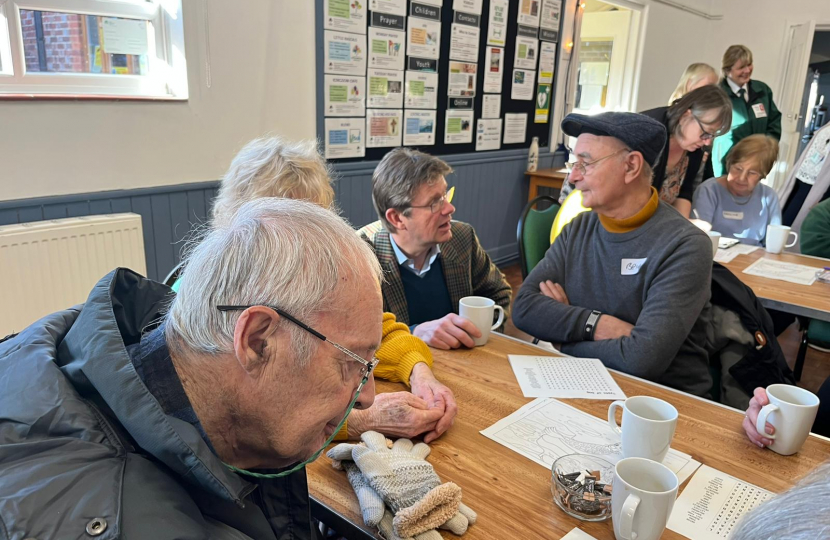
(741, 500)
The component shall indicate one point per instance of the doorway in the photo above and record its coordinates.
(607, 56)
(816, 95)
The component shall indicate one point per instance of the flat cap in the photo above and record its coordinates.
(636, 131)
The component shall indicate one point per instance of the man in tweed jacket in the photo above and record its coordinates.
(429, 261)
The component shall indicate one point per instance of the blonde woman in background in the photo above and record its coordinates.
(695, 76)
(274, 167)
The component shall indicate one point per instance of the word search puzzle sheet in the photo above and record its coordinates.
(712, 504)
(564, 377)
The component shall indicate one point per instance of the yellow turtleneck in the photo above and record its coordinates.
(629, 224)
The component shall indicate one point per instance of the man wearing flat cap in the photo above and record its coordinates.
(629, 282)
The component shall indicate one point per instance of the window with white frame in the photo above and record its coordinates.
(92, 48)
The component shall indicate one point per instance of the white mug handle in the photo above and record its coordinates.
(794, 239)
(612, 416)
(761, 423)
(627, 517)
(501, 317)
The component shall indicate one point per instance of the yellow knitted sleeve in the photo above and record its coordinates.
(399, 351)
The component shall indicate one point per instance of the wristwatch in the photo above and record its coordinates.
(591, 324)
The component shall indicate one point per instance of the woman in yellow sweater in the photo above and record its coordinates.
(272, 167)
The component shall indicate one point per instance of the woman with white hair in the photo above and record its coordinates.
(695, 76)
(275, 167)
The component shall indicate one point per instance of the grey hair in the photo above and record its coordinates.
(700, 102)
(273, 167)
(280, 252)
(797, 514)
(397, 178)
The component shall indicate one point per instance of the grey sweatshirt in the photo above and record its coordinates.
(657, 277)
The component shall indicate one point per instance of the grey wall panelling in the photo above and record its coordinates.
(491, 191)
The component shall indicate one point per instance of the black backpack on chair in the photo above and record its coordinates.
(764, 364)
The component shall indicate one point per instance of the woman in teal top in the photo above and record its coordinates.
(753, 110)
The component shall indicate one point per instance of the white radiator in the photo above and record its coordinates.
(46, 266)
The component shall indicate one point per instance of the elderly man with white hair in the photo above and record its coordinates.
(124, 419)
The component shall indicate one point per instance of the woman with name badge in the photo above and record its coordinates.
(692, 122)
(736, 204)
(753, 109)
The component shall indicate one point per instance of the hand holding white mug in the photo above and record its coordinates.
(479, 311)
(791, 411)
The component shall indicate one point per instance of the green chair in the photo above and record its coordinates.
(533, 232)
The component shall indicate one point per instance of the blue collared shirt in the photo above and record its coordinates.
(409, 264)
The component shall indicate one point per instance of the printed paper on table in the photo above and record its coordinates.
(782, 271)
(493, 69)
(523, 84)
(491, 106)
(462, 81)
(387, 48)
(383, 127)
(515, 126)
(419, 128)
(384, 88)
(345, 15)
(546, 429)
(497, 27)
(345, 138)
(712, 504)
(421, 90)
(458, 127)
(488, 134)
(344, 95)
(344, 53)
(564, 377)
(423, 38)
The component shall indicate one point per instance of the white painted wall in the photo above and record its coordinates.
(262, 55)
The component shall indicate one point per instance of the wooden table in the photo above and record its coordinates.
(811, 301)
(510, 493)
(549, 178)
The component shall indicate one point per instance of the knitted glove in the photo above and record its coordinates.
(459, 523)
(371, 505)
(407, 483)
(387, 530)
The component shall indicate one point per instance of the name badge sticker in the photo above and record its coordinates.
(759, 110)
(732, 215)
(629, 267)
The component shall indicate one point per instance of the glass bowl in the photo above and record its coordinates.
(572, 476)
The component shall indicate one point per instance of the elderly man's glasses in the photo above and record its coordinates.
(367, 367)
(438, 204)
(582, 166)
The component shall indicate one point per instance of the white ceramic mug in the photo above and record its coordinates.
(648, 425)
(479, 311)
(791, 411)
(714, 236)
(642, 498)
(777, 236)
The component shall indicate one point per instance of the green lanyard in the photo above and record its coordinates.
(309, 460)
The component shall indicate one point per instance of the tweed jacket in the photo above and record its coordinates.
(468, 270)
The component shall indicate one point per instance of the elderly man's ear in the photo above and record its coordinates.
(253, 338)
(633, 166)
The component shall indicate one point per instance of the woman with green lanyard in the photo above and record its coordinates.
(753, 109)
